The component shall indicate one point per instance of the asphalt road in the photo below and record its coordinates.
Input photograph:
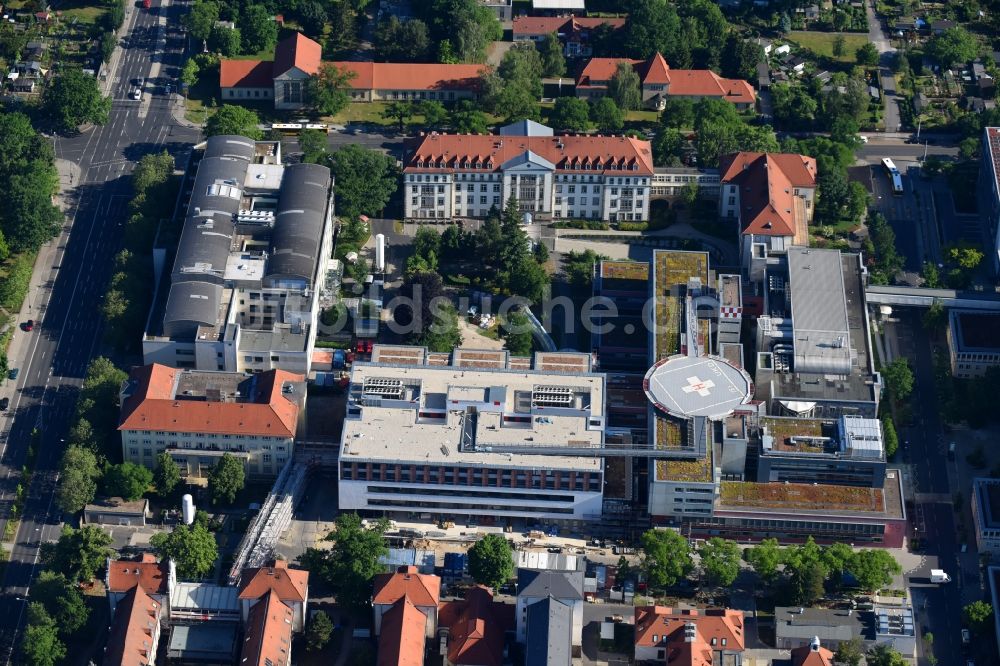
(911, 214)
(76, 271)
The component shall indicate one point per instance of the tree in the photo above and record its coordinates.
(850, 652)
(78, 476)
(571, 114)
(740, 57)
(314, 146)
(867, 55)
(78, 554)
(720, 561)
(953, 45)
(873, 568)
(167, 474)
(978, 616)
(516, 86)
(793, 105)
(491, 561)
(434, 113)
(624, 87)
(40, 644)
(517, 332)
(666, 557)
(883, 654)
(127, 480)
(62, 600)
(189, 73)
(889, 436)
(366, 179)
(606, 115)
(678, 113)
(73, 98)
(226, 479)
(258, 29)
(764, 558)
(231, 119)
(312, 17)
(328, 90)
(898, 378)
(936, 316)
(405, 41)
(808, 571)
(319, 632)
(191, 547)
(965, 257)
(224, 41)
(651, 26)
(352, 561)
(398, 111)
(202, 18)
(551, 50)
(465, 118)
(668, 147)
(839, 43)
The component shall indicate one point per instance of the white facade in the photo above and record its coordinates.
(680, 499)
(670, 182)
(196, 453)
(521, 615)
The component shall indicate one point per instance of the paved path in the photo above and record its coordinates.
(877, 36)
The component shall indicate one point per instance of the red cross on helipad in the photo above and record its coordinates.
(698, 386)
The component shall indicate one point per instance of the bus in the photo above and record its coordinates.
(295, 128)
(894, 176)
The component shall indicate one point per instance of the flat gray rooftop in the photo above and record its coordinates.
(690, 386)
(207, 640)
(819, 311)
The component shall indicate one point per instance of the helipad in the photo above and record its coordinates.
(697, 386)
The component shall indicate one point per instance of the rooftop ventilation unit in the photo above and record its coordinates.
(552, 396)
(384, 387)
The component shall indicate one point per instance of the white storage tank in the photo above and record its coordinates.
(380, 253)
(187, 509)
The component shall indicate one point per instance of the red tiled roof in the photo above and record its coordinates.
(150, 575)
(766, 182)
(805, 655)
(695, 653)
(679, 82)
(268, 639)
(421, 589)
(131, 638)
(563, 151)
(543, 25)
(412, 76)
(289, 584)
(152, 406)
(245, 73)
(297, 51)
(402, 641)
(476, 628)
(667, 624)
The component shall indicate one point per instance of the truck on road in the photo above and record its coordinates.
(939, 576)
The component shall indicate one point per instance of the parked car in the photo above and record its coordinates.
(13, 373)
(29, 325)
(4, 404)
(966, 637)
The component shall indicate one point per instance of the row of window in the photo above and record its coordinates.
(238, 92)
(360, 471)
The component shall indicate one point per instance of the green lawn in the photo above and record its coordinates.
(84, 14)
(821, 43)
(371, 112)
(642, 116)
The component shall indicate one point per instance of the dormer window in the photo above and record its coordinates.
(489, 165)
(713, 642)
(479, 165)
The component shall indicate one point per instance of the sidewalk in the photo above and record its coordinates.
(37, 298)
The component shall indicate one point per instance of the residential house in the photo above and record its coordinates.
(422, 590)
(939, 26)
(771, 196)
(659, 82)
(389, 81)
(689, 637)
(135, 629)
(296, 58)
(451, 176)
(122, 576)
(268, 633)
(502, 8)
(565, 587)
(573, 32)
(199, 416)
(291, 586)
(813, 654)
(282, 80)
(473, 631)
(403, 640)
(548, 633)
(794, 626)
